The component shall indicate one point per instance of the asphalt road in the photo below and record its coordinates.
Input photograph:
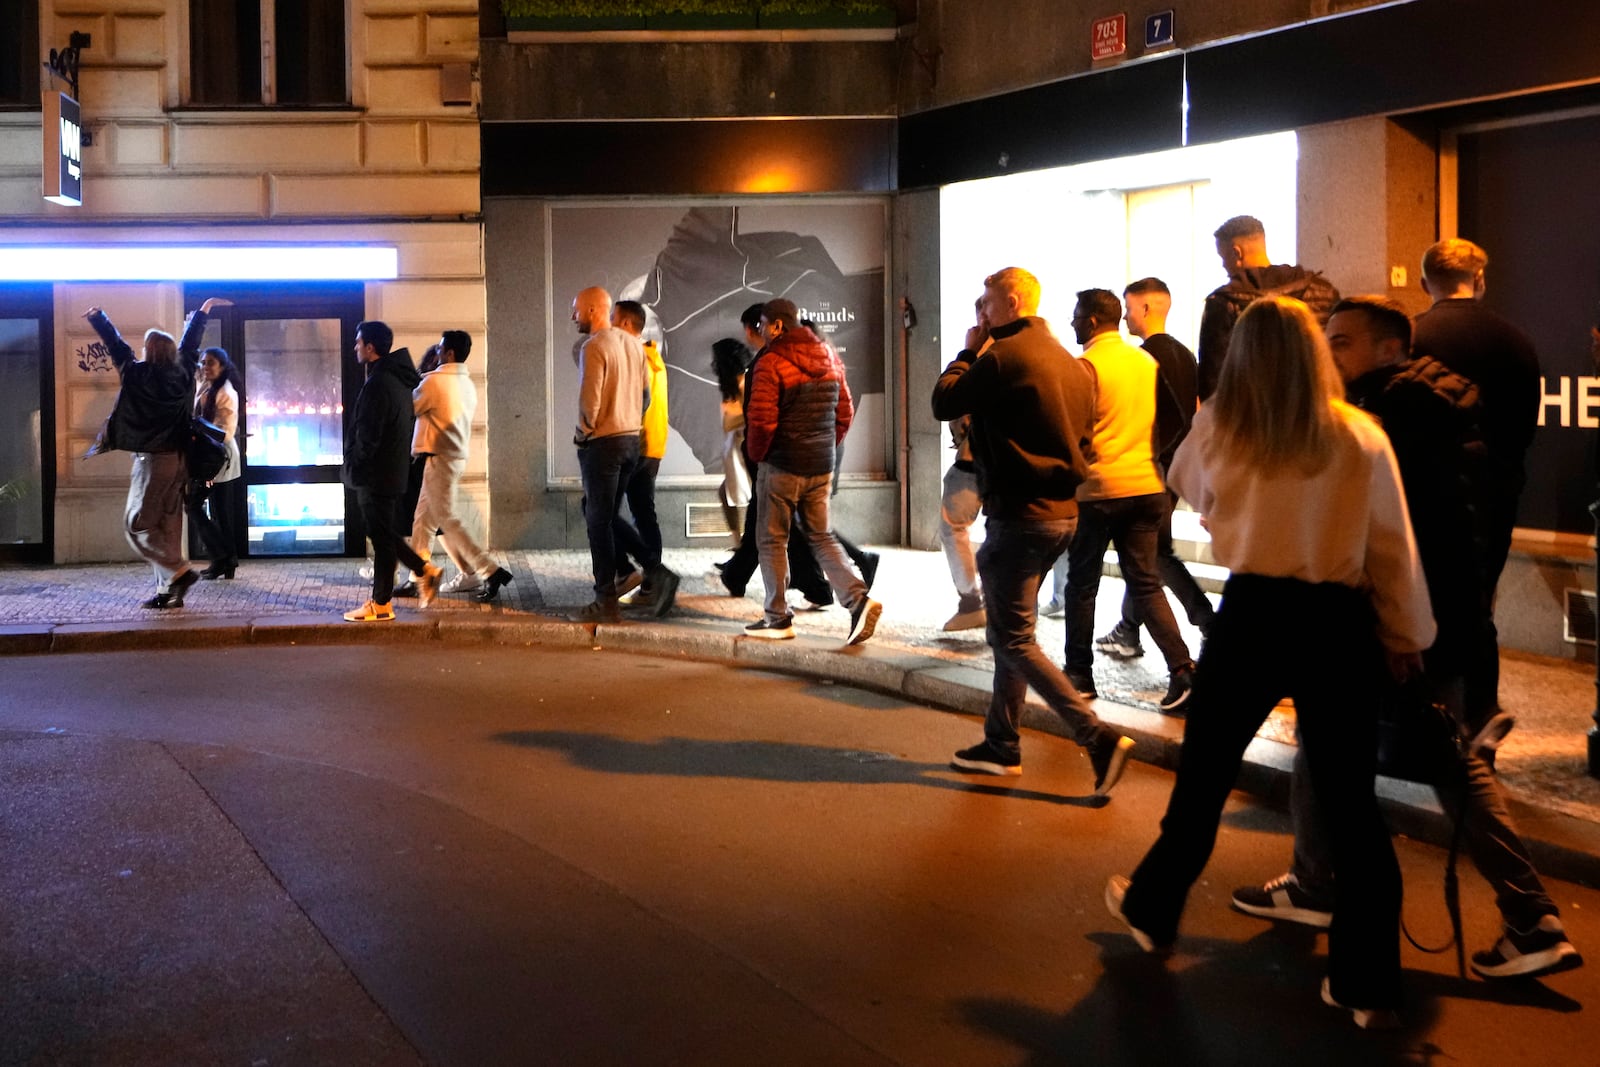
(529, 856)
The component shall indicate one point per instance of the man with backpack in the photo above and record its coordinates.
(1242, 247)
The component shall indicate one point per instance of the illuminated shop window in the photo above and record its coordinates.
(292, 399)
(296, 520)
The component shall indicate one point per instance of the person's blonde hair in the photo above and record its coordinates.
(1279, 391)
(1014, 281)
(159, 347)
(1454, 262)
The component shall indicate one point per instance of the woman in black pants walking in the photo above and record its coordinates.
(1303, 500)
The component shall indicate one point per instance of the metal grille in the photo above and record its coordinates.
(704, 520)
(1579, 618)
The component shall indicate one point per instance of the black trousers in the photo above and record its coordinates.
(215, 528)
(1276, 637)
(387, 532)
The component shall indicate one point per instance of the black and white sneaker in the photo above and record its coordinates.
(864, 620)
(770, 631)
(1122, 642)
(1116, 889)
(1108, 755)
(1366, 1018)
(984, 758)
(1083, 682)
(1179, 688)
(1486, 742)
(1542, 950)
(1284, 900)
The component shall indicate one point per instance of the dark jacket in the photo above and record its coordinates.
(1226, 303)
(1434, 422)
(1177, 393)
(152, 410)
(800, 407)
(1032, 408)
(1486, 349)
(377, 443)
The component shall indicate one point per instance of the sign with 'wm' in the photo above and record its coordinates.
(63, 150)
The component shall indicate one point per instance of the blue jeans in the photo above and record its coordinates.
(1133, 524)
(1012, 562)
(780, 498)
(605, 463)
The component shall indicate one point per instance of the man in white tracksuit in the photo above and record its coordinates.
(445, 402)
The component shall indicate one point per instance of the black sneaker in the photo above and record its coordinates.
(664, 592)
(1284, 900)
(1108, 755)
(864, 620)
(1542, 950)
(1486, 742)
(770, 631)
(493, 584)
(1083, 682)
(599, 611)
(869, 568)
(1179, 688)
(984, 758)
(1366, 1018)
(1122, 642)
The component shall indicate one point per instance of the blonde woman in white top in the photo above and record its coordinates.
(1303, 500)
(217, 401)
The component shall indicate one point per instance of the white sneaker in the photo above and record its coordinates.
(462, 583)
(365, 570)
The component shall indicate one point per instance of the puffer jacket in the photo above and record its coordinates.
(800, 406)
(377, 443)
(1226, 303)
(151, 413)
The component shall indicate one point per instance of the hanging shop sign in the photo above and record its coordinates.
(63, 150)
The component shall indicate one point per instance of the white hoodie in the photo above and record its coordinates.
(445, 403)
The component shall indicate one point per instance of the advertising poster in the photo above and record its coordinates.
(696, 268)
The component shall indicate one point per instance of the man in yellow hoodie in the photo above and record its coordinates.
(652, 583)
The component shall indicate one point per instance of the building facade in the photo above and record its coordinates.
(242, 151)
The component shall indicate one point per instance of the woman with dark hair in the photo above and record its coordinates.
(217, 402)
(1302, 495)
(150, 418)
(729, 360)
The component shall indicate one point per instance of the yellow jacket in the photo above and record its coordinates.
(653, 443)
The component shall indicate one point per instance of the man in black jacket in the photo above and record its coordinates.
(1242, 247)
(1479, 345)
(377, 461)
(1033, 408)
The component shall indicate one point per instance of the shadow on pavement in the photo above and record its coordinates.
(769, 761)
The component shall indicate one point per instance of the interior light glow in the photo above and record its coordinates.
(157, 263)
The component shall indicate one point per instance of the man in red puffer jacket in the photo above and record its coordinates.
(799, 411)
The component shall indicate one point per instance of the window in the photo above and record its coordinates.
(19, 55)
(283, 53)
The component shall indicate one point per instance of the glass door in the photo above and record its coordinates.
(292, 347)
(27, 476)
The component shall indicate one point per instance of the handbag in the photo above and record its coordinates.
(207, 453)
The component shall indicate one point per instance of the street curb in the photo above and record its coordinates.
(1561, 846)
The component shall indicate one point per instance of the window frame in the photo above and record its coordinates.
(267, 76)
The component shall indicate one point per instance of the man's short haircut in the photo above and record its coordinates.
(632, 312)
(1385, 315)
(781, 311)
(751, 319)
(1014, 281)
(1102, 304)
(1146, 285)
(1240, 226)
(1453, 262)
(378, 335)
(458, 342)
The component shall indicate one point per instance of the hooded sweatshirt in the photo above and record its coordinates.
(377, 443)
(800, 406)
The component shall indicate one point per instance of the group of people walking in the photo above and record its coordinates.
(1358, 475)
